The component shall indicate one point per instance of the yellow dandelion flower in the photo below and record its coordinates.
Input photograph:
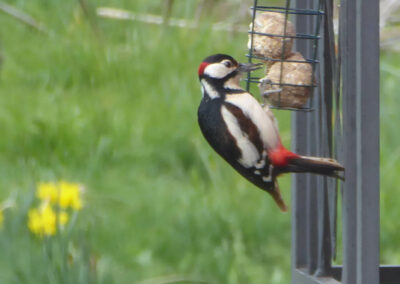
(70, 195)
(47, 191)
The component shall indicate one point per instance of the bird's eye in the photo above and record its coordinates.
(228, 64)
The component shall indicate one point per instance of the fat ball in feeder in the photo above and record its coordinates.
(293, 87)
(271, 42)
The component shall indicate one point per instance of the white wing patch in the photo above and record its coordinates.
(211, 92)
(249, 153)
(263, 120)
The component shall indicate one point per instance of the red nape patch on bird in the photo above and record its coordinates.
(281, 156)
(202, 66)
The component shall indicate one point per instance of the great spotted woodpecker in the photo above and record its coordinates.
(244, 133)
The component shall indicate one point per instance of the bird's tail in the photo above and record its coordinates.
(316, 165)
(276, 194)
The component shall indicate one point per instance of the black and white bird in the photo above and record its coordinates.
(244, 133)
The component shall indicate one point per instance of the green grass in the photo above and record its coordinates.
(390, 157)
(117, 112)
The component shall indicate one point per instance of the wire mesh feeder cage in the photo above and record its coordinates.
(289, 78)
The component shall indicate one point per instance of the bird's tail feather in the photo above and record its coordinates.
(316, 165)
(276, 195)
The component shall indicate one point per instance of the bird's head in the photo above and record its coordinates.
(223, 70)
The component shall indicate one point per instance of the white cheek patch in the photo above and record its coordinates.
(209, 90)
(217, 70)
(249, 153)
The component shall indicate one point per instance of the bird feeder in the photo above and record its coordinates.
(289, 79)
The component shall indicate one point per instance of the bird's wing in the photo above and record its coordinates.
(263, 120)
(245, 134)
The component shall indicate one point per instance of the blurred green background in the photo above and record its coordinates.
(112, 104)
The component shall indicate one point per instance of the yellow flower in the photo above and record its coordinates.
(35, 221)
(66, 194)
(47, 191)
(48, 220)
(42, 221)
(62, 195)
(70, 195)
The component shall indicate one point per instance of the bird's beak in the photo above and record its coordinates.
(248, 67)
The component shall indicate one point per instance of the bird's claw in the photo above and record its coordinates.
(264, 82)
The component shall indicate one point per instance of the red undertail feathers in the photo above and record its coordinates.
(281, 156)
